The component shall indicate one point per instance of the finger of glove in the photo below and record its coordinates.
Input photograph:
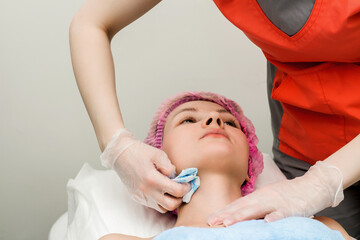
(139, 197)
(153, 204)
(239, 210)
(158, 207)
(174, 189)
(168, 202)
(154, 185)
(163, 164)
(218, 217)
(148, 201)
(243, 215)
(162, 210)
(156, 191)
(254, 208)
(274, 216)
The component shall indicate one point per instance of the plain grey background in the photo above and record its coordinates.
(45, 132)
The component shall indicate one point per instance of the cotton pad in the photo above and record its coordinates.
(188, 175)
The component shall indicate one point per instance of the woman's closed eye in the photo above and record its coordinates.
(188, 120)
(231, 123)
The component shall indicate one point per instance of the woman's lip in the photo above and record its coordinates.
(216, 133)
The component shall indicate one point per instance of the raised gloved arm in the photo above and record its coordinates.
(321, 187)
(142, 168)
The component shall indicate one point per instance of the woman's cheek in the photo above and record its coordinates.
(172, 146)
(245, 147)
(242, 143)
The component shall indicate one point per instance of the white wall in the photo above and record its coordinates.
(45, 133)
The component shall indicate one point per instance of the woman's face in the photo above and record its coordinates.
(205, 135)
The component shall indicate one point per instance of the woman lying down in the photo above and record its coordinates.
(210, 132)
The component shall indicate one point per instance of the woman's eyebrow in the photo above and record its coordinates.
(184, 110)
(223, 111)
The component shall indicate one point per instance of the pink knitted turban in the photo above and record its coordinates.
(155, 134)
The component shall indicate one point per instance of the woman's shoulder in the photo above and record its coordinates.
(334, 225)
(117, 236)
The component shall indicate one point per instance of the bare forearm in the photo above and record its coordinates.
(347, 159)
(94, 71)
(90, 33)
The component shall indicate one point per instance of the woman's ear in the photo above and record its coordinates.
(247, 179)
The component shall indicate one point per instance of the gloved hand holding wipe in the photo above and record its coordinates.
(319, 188)
(145, 171)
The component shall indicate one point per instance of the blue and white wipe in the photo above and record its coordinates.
(188, 175)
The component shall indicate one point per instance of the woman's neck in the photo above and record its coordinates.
(214, 193)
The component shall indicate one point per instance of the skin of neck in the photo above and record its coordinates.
(215, 192)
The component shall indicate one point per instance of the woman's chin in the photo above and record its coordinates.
(217, 151)
(212, 153)
(219, 146)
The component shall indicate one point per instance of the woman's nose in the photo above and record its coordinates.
(213, 119)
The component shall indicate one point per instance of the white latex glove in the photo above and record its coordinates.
(319, 188)
(145, 171)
